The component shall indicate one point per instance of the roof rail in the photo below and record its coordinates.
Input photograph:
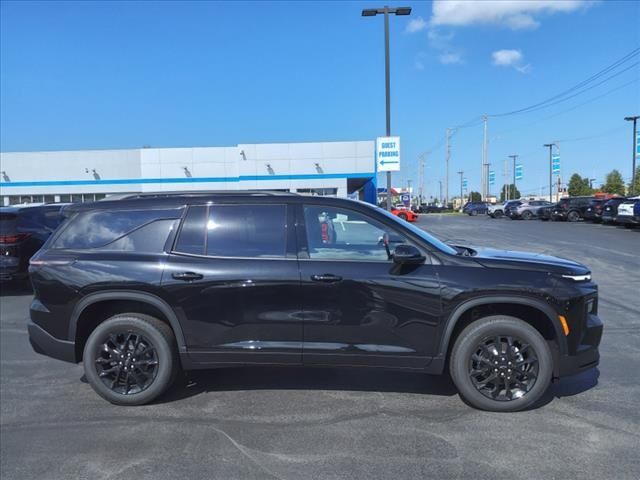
(198, 193)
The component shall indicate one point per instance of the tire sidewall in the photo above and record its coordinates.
(164, 351)
(527, 215)
(573, 216)
(466, 344)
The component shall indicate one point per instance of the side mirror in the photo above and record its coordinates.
(407, 255)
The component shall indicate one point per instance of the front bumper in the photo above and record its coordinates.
(44, 343)
(587, 355)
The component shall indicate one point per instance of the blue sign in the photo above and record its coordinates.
(638, 144)
(464, 183)
(406, 199)
(492, 177)
(519, 172)
(555, 163)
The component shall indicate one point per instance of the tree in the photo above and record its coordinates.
(614, 183)
(514, 193)
(579, 186)
(636, 188)
(475, 197)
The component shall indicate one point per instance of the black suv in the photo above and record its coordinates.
(571, 209)
(138, 288)
(23, 230)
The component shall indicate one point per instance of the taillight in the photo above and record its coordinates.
(14, 238)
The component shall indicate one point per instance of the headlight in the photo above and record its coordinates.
(578, 278)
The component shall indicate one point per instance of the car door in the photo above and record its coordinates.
(359, 307)
(233, 276)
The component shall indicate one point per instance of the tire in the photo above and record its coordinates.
(483, 333)
(119, 333)
(527, 215)
(498, 213)
(403, 216)
(573, 216)
(473, 213)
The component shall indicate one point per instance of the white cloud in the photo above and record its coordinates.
(415, 25)
(515, 14)
(449, 58)
(510, 58)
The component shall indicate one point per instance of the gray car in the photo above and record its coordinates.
(527, 209)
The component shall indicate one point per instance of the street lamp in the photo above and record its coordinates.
(633, 119)
(461, 184)
(372, 12)
(550, 146)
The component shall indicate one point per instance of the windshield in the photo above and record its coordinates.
(418, 231)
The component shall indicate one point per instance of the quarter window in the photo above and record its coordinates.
(339, 234)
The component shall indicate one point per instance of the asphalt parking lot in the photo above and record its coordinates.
(289, 423)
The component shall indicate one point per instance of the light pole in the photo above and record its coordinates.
(514, 158)
(461, 173)
(550, 146)
(633, 119)
(409, 191)
(372, 12)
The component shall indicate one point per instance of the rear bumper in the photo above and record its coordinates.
(587, 355)
(45, 344)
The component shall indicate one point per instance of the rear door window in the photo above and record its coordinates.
(240, 231)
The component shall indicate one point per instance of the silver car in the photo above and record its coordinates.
(527, 209)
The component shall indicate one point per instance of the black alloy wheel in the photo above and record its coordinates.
(573, 216)
(503, 368)
(131, 358)
(127, 363)
(403, 216)
(501, 364)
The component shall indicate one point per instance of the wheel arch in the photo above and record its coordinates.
(545, 321)
(152, 302)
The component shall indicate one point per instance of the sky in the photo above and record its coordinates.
(101, 75)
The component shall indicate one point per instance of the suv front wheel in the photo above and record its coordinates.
(130, 359)
(501, 364)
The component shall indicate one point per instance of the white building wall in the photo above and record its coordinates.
(289, 166)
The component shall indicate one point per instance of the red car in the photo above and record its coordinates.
(405, 214)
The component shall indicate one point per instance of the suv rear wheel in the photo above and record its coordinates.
(131, 359)
(501, 364)
(527, 215)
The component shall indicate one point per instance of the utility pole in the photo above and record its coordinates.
(550, 146)
(485, 157)
(409, 191)
(440, 197)
(422, 157)
(448, 157)
(633, 119)
(461, 173)
(514, 157)
(372, 12)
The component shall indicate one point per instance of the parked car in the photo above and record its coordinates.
(23, 230)
(594, 211)
(510, 206)
(546, 213)
(628, 213)
(138, 289)
(430, 208)
(571, 209)
(526, 209)
(496, 210)
(475, 208)
(405, 214)
(610, 209)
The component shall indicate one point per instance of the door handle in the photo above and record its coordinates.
(326, 278)
(188, 276)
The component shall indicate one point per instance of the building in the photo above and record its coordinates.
(343, 169)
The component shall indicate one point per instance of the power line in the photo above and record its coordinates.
(553, 100)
